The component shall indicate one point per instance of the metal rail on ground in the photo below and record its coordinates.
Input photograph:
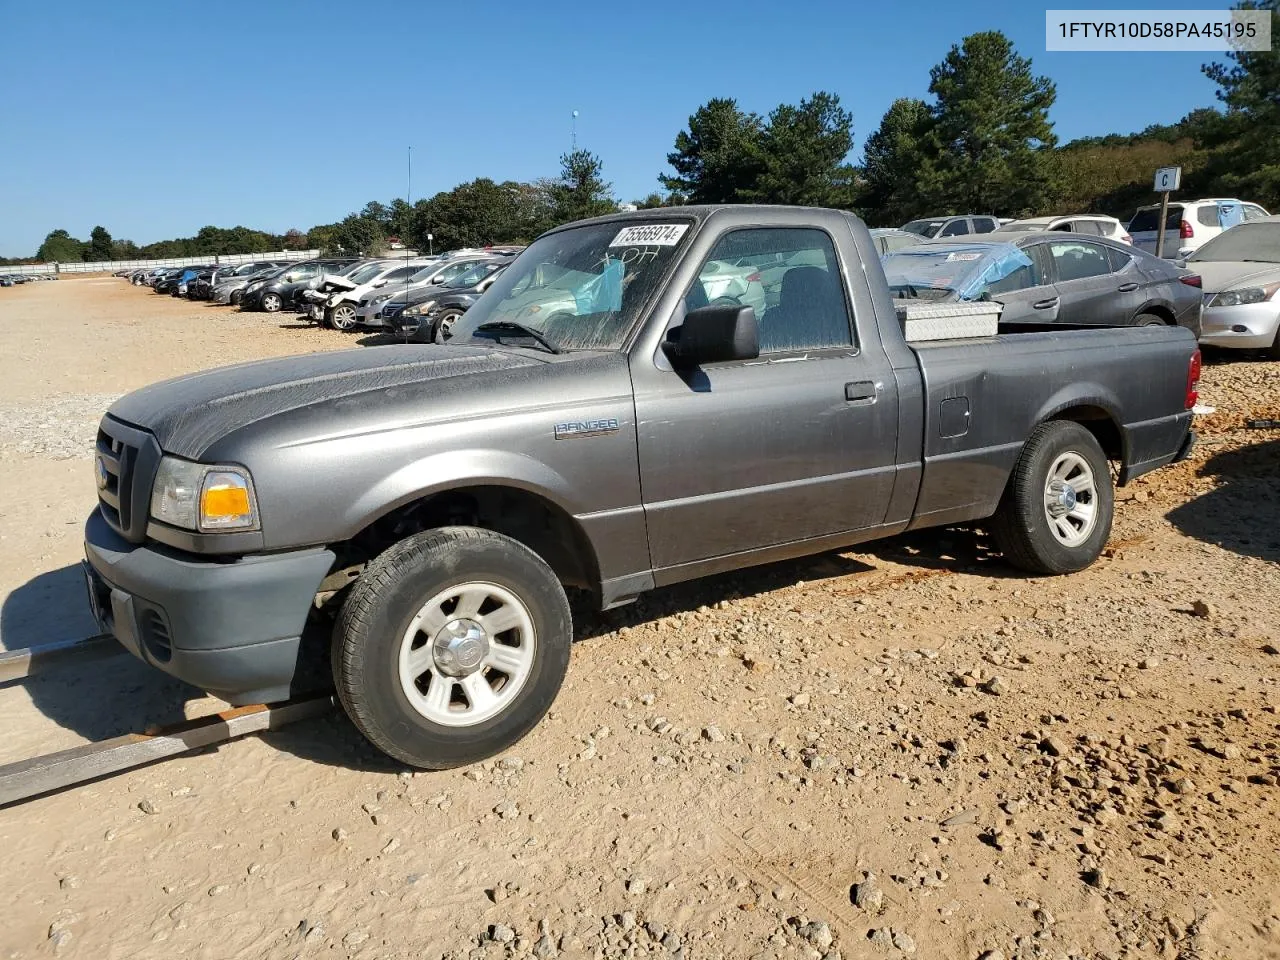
(29, 661)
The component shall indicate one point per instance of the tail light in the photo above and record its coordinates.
(1125, 238)
(1191, 280)
(1193, 380)
(1185, 231)
(753, 278)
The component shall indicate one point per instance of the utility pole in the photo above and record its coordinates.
(573, 139)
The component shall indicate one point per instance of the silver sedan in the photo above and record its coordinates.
(1240, 269)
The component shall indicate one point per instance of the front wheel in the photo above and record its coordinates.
(1148, 320)
(1056, 512)
(272, 302)
(444, 326)
(343, 316)
(451, 646)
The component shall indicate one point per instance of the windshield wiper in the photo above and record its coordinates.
(513, 327)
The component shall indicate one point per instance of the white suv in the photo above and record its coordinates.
(1189, 223)
(1093, 224)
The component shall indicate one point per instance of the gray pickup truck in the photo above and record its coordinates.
(638, 400)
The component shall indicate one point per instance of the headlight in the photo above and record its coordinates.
(1243, 296)
(196, 496)
(419, 309)
(383, 298)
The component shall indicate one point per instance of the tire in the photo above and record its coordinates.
(1148, 320)
(1037, 510)
(235, 297)
(1273, 352)
(342, 317)
(423, 713)
(272, 302)
(444, 326)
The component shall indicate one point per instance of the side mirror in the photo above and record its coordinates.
(437, 279)
(714, 334)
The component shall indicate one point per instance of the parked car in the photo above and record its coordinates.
(279, 290)
(958, 226)
(1048, 278)
(889, 239)
(336, 301)
(1189, 223)
(230, 288)
(1240, 268)
(208, 281)
(433, 315)
(167, 282)
(1090, 224)
(419, 511)
(371, 310)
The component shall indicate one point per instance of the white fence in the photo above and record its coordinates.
(110, 266)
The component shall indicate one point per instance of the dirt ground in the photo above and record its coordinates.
(903, 750)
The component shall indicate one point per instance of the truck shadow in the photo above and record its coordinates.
(1243, 513)
(98, 697)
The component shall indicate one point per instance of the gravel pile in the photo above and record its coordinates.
(60, 427)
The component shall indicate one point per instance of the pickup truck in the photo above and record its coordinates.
(417, 512)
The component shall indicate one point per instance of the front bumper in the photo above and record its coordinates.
(232, 628)
(1249, 327)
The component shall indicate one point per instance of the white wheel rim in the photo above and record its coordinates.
(467, 654)
(1071, 499)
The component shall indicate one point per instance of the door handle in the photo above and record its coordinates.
(1127, 287)
(1046, 304)
(860, 390)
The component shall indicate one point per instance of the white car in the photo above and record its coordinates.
(340, 308)
(1090, 224)
(1189, 223)
(1240, 275)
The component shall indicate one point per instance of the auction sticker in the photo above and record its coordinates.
(963, 257)
(651, 234)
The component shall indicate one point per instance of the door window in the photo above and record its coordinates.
(1077, 260)
(955, 228)
(1118, 258)
(790, 277)
(984, 224)
(1253, 212)
(1208, 215)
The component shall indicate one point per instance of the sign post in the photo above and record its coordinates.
(1168, 179)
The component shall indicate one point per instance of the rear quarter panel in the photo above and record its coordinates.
(1009, 384)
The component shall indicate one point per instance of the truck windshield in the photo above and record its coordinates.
(582, 288)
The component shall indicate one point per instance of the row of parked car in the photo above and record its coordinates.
(1083, 270)
(14, 279)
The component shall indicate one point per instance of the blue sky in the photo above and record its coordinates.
(154, 122)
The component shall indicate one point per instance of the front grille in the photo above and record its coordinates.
(393, 310)
(127, 459)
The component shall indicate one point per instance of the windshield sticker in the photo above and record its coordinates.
(657, 234)
(963, 257)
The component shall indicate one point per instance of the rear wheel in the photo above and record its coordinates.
(1148, 320)
(271, 302)
(343, 316)
(1056, 512)
(451, 646)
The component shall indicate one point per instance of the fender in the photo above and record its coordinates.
(458, 468)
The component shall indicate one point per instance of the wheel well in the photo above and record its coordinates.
(533, 520)
(1156, 310)
(1100, 423)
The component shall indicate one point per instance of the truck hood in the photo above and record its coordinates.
(1216, 276)
(188, 414)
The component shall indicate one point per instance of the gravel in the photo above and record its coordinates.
(60, 427)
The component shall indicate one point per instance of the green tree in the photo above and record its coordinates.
(717, 160)
(891, 164)
(580, 191)
(653, 201)
(99, 248)
(60, 247)
(123, 250)
(1247, 141)
(295, 239)
(802, 155)
(360, 234)
(990, 143)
